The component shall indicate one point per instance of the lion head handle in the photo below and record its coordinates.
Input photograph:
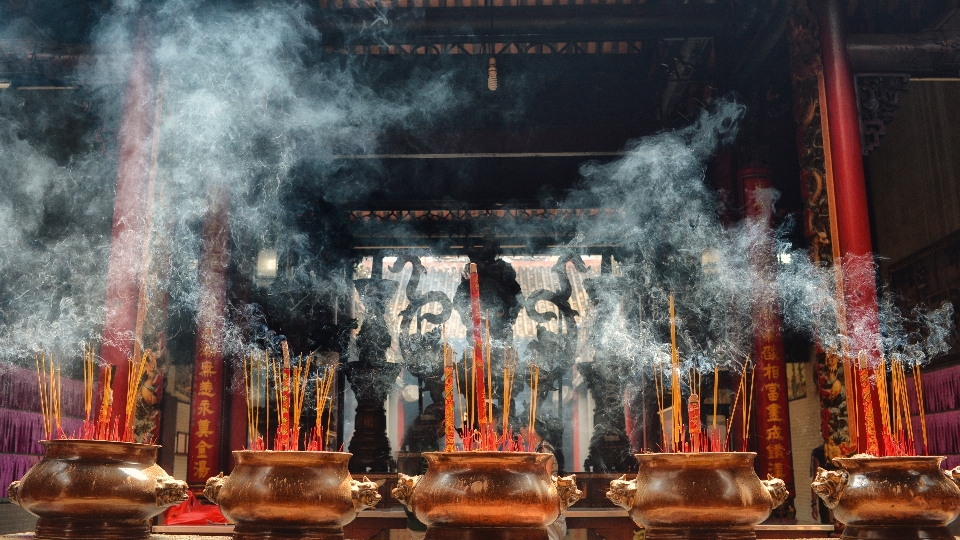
(622, 492)
(777, 489)
(170, 491)
(567, 489)
(953, 474)
(364, 494)
(13, 492)
(404, 490)
(829, 485)
(212, 488)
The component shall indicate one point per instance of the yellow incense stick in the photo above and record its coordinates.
(675, 380)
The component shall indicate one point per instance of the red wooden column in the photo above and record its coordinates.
(207, 401)
(861, 319)
(772, 410)
(129, 230)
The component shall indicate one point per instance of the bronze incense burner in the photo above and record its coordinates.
(290, 495)
(887, 498)
(487, 495)
(698, 496)
(96, 490)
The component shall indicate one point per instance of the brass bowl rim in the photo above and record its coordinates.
(709, 459)
(486, 456)
(865, 461)
(292, 457)
(94, 442)
(98, 451)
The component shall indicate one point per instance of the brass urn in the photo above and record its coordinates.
(887, 498)
(698, 496)
(290, 495)
(96, 490)
(487, 495)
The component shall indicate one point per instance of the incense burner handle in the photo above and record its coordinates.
(622, 492)
(170, 491)
(829, 485)
(953, 474)
(777, 489)
(404, 490)
(13, 492)
(568, 491)
(364, 494)
(211, 490)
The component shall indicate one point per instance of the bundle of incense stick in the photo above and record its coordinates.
(489, 369)
(89, 382)
(254, 372)
(479, 379)
(677, 427)
(323, 385)
(866, 403)
(135, 372)
(284, 389)
(510, 358)
(298, 392)
(918, 383)
(746, 389)
(897, 438)
(104, 430)
(693, 412)
(290, 390)
(449, 431)
(715, 436)
(658, 387)
(534, 395)
(48, 379)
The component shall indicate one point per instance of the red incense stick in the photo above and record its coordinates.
(285, 401)
(478, 346)
(448, 400)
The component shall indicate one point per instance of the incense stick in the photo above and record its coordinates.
(716, 388)
(675, 381)
(284, 400)
(134, 374)
(658, 386)
(449, 430)
(479, 379)
(918, 382)
(748, 411)
(736, 399)
(489, 369)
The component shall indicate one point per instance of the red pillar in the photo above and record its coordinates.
(853, 219)
(129, 230)
(207, 400)
(772, 410)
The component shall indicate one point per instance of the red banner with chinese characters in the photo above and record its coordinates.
(771, 409)
(207, 399)
(772, 412)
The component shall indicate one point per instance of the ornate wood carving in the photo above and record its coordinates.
(807, 78)
(806, 73)
(878, 97)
